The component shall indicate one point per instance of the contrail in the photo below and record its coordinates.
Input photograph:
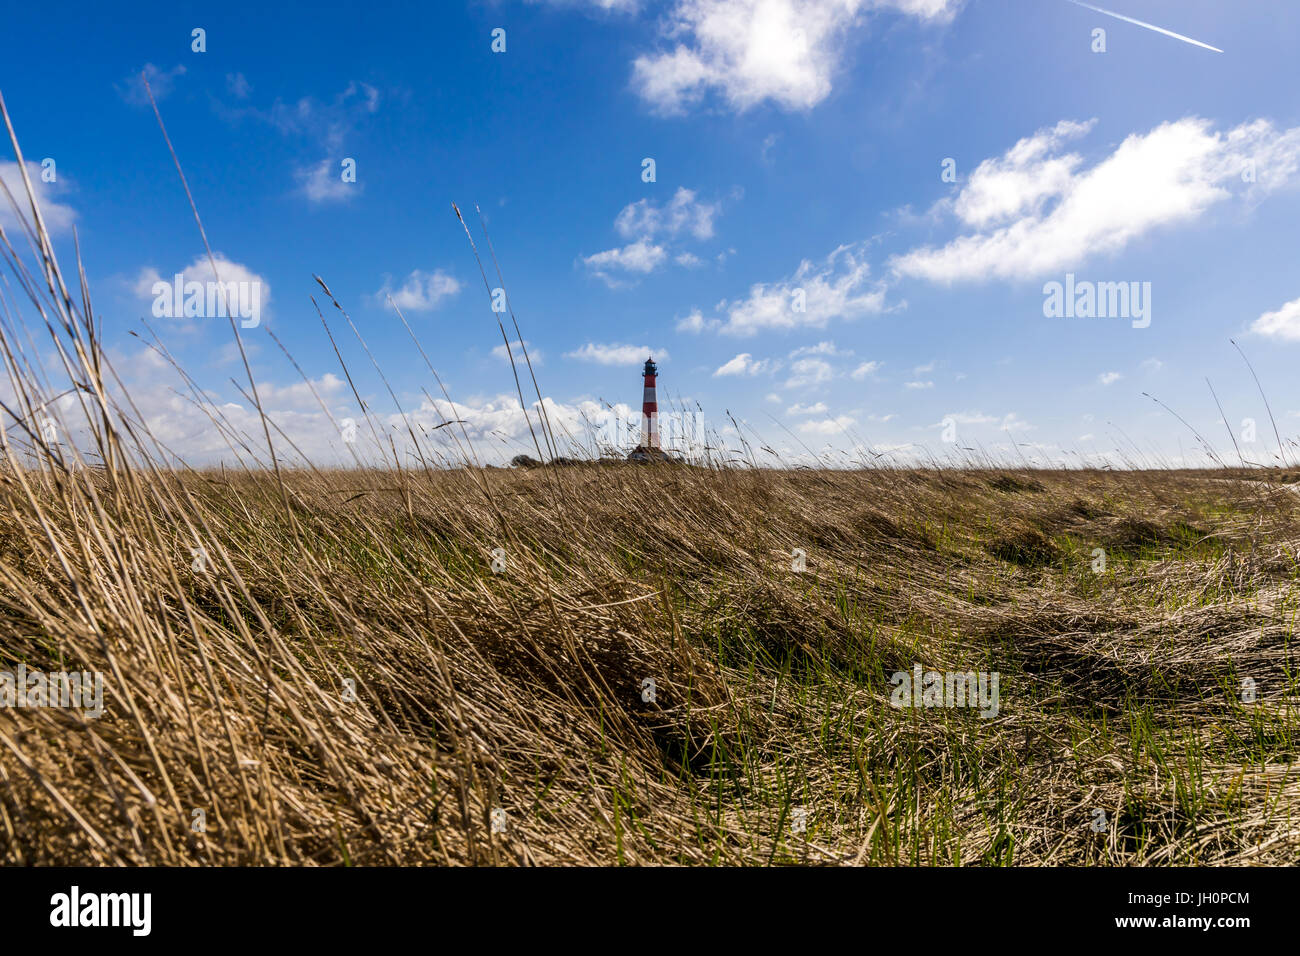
(1149, 26)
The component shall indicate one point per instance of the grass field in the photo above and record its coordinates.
(617, 664)
(1121, 734)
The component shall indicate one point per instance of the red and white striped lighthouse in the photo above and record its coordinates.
(649, 408)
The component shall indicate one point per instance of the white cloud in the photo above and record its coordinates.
(329, 123)
(969, 418)
(882, 450)
(200, 270)
(324, 182)
(865, 369)
(817, 408)
(189, 430)
(132, 88)
(647, 223)
(1153, 364)
(616, 354)
(605, 6)
(925, 9)
(420, 292)
(1284, 323)
(840, 288)
(918, 385)
(749, 51)
(696, 322)
(808, 372)
(827, 426)
(644, 219)
(1023, 179)
(1009, 422)
(1037, 212)
(58, 218)
(1109, 378)
(640, 257)
(745, 364)
(517, 347)
(496, 425)
(300, 394)
(821, 348)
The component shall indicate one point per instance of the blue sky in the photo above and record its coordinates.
(799, 147)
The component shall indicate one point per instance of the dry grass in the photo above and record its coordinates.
(229, 689)
(522, 689)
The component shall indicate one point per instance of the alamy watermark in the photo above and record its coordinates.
(1084, 299)
(208, 300)
(24, 688)
(683, 432)
(974, 689)
(75, 908)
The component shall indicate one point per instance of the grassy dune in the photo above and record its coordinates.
(520, 689)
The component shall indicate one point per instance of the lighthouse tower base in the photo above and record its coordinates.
(643, 455)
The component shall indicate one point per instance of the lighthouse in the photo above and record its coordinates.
(649, 408)
(649, 451)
